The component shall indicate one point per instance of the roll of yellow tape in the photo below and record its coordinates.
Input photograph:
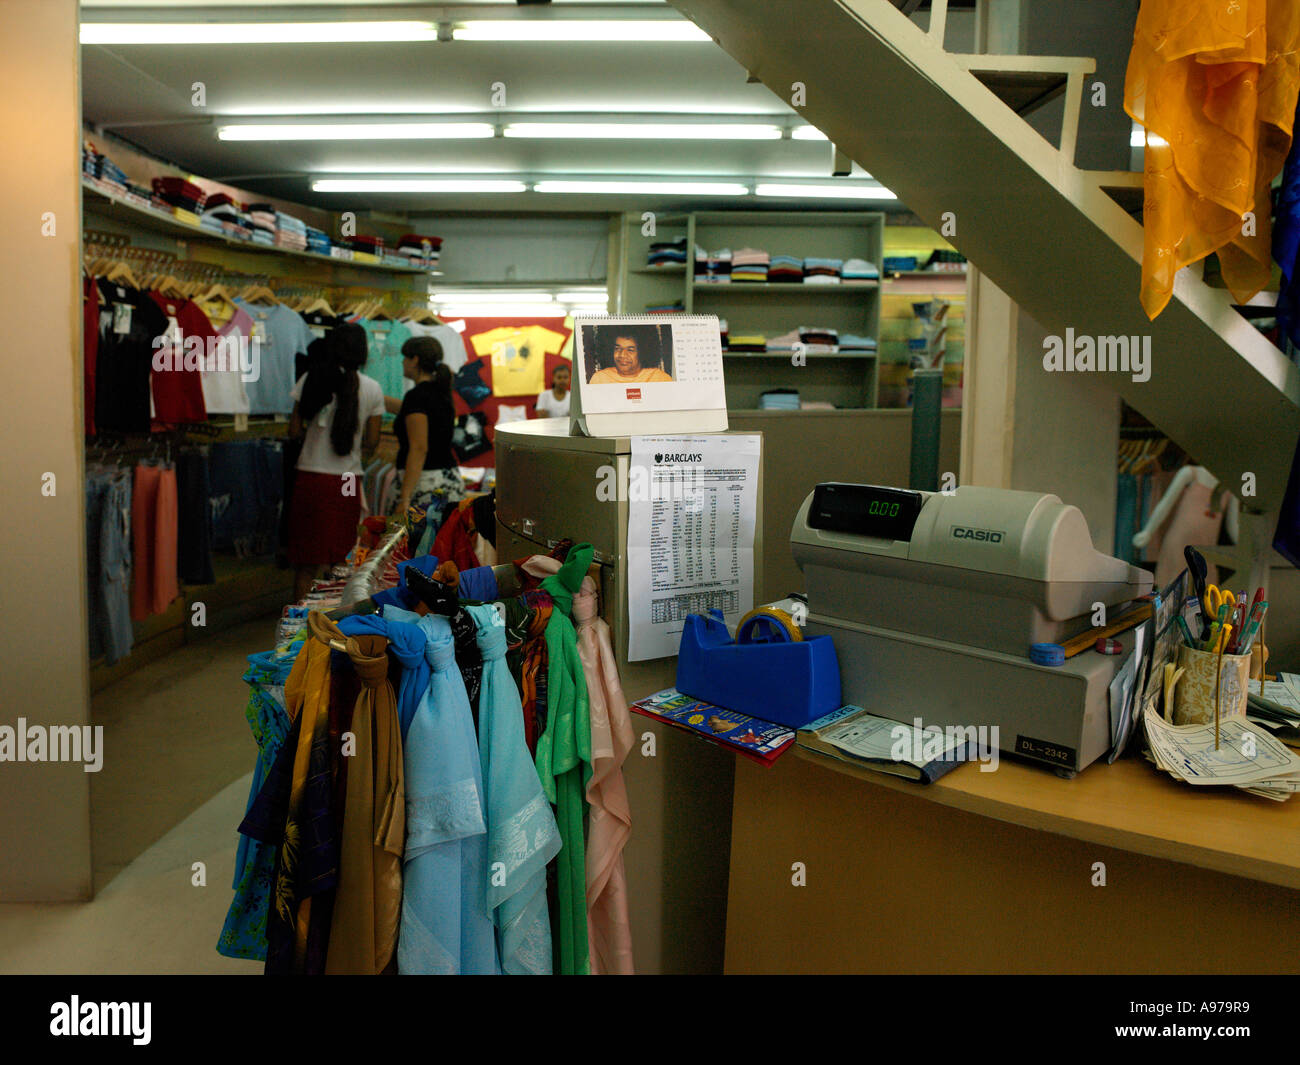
(777, 617)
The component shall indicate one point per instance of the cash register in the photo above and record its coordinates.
(933, 600)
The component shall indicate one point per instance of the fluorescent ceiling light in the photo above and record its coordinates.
(533, 30)
(644, 130)
(584, 295)
(684, 188)
(808, 133)
(415, 185)
(492, 296)
(826, 192)
(191, 33)
(501, 310)
(347, 131)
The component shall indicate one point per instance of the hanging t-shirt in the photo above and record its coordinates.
(223, 368)
(454, 355)
(90, 347)
(518, 357)
(550, 407)
(318, 454)
(177, 378)
(385, 339)
(280, 335)
(128, 323)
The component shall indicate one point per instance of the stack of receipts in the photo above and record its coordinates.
(1248, 757)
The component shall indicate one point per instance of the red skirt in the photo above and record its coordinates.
(322, 519)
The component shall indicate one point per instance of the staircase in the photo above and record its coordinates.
(887, 95)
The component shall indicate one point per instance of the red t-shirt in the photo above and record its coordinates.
(177, 377)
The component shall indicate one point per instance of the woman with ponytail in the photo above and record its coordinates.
(336, 410)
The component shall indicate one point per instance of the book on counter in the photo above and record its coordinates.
(852, 735)
(760, 741)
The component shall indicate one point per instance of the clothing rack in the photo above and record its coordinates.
(365, 581)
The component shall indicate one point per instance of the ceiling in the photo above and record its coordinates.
(142, 93)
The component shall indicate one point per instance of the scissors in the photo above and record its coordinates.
(1215, 597)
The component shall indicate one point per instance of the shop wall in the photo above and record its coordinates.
(803, 448)
(509, 250)
(45, 824)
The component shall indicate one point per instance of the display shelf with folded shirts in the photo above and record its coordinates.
(770, 308)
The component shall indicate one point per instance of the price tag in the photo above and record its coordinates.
(122, 318)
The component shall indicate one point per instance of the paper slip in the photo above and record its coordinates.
(1247, 754)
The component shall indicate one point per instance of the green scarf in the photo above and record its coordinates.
(564, 756)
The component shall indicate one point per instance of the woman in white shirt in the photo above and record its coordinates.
(337, 409)
(554, 402)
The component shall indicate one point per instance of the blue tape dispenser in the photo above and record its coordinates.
(769, 671)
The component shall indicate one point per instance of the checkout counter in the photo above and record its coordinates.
(817, 866)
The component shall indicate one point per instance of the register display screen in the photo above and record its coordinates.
(865, 510)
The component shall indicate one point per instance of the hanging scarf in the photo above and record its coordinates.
(367, 905)
(610, 820)
(1217, 84)
(243, 935)
(445, 927)
(533, 665)
(1286, 248)
(564, 756)
(522, 834)
(406, 644)
(299, 819)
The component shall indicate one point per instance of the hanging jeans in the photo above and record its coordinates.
(108, 565)
(153, 536)
(194, 534)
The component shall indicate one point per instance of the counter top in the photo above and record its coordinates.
(1130, 805)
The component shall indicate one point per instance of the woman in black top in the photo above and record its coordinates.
(426, 466)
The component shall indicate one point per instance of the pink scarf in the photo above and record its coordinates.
(610, 819)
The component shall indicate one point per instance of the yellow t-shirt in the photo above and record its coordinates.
(518, 357)
(610, 376)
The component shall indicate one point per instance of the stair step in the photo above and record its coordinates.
(1125, 187)
(1024, 82)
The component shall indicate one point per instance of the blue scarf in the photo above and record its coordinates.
(522, 834)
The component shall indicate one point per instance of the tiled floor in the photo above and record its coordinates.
(177, 760)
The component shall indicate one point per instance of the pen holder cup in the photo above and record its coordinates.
(1194, 695)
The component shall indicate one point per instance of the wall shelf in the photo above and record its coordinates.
(771, 309)
(156, 221)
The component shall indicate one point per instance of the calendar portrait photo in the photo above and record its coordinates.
(627, 354)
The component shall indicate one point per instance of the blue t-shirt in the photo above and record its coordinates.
(281, 335)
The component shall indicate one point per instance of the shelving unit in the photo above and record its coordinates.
(848, 380)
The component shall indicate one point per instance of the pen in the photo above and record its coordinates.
(1187, 633)
(1249, 640)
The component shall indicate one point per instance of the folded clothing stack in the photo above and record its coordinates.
(318, 241)
(90, 159)
(367, 249)
(787, 268)
(944, 261)
(779, 399)
(859, 270)
(420, 250)
(822, 271)
(140, 195)
(663, 252)
(749, 264)
(261, 218)
(290, 232)
(747, 342)
(713, 266)
(817, 337)
(177, 192)
(111, 174)
(675, 307)
(225, 215)
(900, 264)
(784, 343)
(854, 342)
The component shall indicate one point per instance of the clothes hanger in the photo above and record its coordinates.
(119, 271)
(318, 304)
(423, 315)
